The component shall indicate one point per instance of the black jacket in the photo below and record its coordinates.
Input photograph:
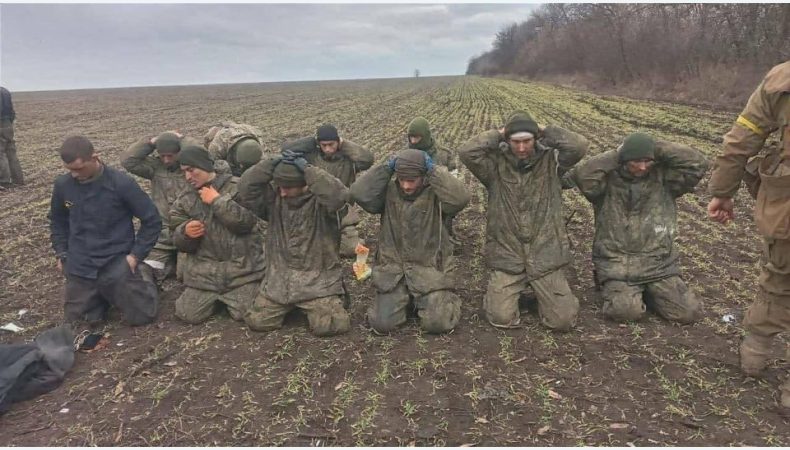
(91, 223)
(6, 106)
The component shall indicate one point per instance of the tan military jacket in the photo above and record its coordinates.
(767, 111)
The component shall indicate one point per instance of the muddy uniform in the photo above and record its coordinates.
(526, 241)
(10, 169)
(221, 142)
(635, 226)
(92, 233)
(767, 111)
(349, 160)
(303, 265)
(414, 259)
(226, 264)
(166, 184)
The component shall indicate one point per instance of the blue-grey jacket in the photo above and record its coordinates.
(91, 223)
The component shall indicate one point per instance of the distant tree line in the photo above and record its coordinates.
(621, 43)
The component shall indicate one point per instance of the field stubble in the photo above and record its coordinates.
(168, 383)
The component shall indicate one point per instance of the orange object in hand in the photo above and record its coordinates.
(208, 194)
(194, 229)
(361, 268)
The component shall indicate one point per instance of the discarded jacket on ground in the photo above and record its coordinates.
(29, 370)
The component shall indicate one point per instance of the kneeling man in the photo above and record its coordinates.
(414, 262)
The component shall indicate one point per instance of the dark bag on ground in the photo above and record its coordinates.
(29, 370)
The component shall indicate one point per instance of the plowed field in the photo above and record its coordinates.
(647, 383)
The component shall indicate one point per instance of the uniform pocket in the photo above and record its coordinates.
(772, 209)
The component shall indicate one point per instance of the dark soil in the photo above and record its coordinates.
(648, 383)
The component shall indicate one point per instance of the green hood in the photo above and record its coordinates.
(420, 127)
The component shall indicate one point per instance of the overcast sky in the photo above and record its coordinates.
(72, 46)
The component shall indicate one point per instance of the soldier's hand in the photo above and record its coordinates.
(208, 194)
(300, 163)
(391, 161)
(60, 265)
(721, 210)
(194, 229)
(290, 155)
(132, 261)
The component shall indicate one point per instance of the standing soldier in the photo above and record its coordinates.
(224, 249)
(526, 243)
(633, 191)
(167, 182)
(768, 110)
(414, 261)
(237, 143)
(303, 205)
(10, 169)
(343, 159)
(94, 240)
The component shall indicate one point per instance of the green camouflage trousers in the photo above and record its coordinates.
(162, 260)
(669, 298)
(557, 306)
(326, 315)
(349, 235)
(196, 306)
(438, 311)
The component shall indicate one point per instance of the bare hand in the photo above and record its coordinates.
(208, 194)
(132, 261)
(721, 210)
(194, 229)
(60, 265)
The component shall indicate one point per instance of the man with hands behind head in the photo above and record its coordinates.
(414, 262)
(155, 159)
(343, 159)
(520, 165)
(303, 205)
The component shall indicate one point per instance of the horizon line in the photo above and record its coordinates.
(224, 84)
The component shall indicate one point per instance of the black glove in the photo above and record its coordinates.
(290, 155)
(299, 162)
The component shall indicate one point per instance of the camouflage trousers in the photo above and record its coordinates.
(196, 305)
(10, 169)
(326, 315)
(557, 306)
(770, 312)
(669, 298)
(349, 235)
(438, 311)
(89, 300)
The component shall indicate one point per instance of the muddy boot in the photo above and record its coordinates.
(755, 351)
(348, 241)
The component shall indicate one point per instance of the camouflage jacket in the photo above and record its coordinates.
(349, 160)
(166, 183)
(414, 241)
(230, 254)
(220, 139)
(525, 229)
(636, 218)
(303, 241)
(442, 156)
